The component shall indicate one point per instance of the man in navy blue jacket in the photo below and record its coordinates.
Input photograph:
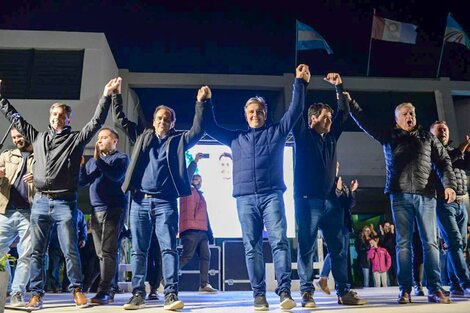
(258, 185)
(316, 204)
(105, 174)
(157, 176)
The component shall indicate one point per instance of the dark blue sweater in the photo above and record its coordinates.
(258, 152)
(105, 177)
(315, 156)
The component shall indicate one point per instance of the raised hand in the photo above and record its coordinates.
(348, 96)
(302, 71)
(119, 85)
(339, 183)
(204, 93)
(97, 153)
(114, 85)
(465, 145)
(333, 78)
(354, 185)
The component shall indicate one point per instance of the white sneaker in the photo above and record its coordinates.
(208, 288)
(17, 300)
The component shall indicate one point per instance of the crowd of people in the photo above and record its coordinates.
(425, 179)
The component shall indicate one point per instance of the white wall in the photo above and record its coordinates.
(99, 67)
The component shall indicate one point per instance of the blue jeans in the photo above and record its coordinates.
(254, 211)
(366, 276)
(12, 224)
(405, 208)
(326, 214)
(452, 219)
(326, 268)
(145, 212)
(44, 213)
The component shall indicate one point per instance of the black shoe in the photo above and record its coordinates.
(260, 303)
(307, 300)
(419, 292)
(153, 296)
(286, 300)
(135, 302)
(101, 298)
(172, 302)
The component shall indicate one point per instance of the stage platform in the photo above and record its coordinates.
(380, 300)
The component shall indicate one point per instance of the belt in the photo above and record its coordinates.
(56, 195)
(149, 195)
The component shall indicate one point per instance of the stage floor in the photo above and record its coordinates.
(382, 299)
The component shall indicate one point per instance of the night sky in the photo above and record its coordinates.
(254, 37)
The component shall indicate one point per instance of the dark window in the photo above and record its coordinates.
(41, 74)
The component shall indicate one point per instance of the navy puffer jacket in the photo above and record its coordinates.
(258, 153)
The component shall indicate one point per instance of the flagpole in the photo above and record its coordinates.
(296, 40)
(370, 44)
(442, 51)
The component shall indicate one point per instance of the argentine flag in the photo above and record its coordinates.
(455, 33)
(309, 39)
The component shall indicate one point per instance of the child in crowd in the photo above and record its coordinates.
(381, 262)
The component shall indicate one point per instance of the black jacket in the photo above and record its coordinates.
(57, 155)
(409, 156)
(178, 143)
(460, 163)
(316, 156)
(347, 199)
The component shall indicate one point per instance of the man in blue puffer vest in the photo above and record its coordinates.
(258, 185)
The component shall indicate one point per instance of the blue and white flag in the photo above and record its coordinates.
(309, 39)
(455, 33)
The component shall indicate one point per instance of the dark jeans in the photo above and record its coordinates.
(196, 241)
(56, 259)
(154, 263)
(90, 265)
(326, 214)
(106, 227)
(417, 258)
